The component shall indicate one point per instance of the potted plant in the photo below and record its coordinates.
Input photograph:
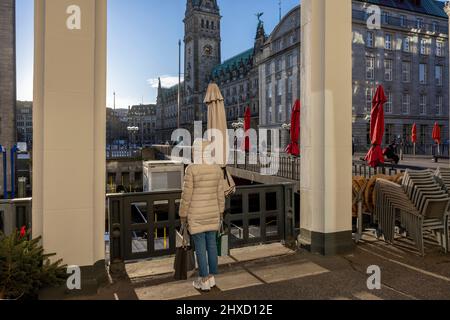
(24, 268)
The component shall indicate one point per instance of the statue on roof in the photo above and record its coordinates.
(259, 15)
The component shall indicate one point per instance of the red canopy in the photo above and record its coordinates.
(437, 133)
(247, 126)
(375, 156)
(414, 134)
(294, 147)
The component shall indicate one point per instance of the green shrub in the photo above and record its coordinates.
(25, 269)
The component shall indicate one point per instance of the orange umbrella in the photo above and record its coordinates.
(437, 133)
(375, 155)
(437, 136)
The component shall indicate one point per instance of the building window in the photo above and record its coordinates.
(280, 113)
(388, 41)
(440, 47)
(370, 68)
(279, 88)
(388, 70)
(403, 20)
(390, 135)
(268, 71)
(439, 75)
(406, 44)
(290, 60)
(407, 129)
(290, 86)
(419, 23)
(439, 106)
(278, 65)
(406, 71)
(369, 40)
(435, 26)
(388, 106)
(423, 73)
(406, 103)
(269, 90)
(423, 104)
(269, 115)
(386, 17)
(424, 46)
(369, 98)
(423, 134)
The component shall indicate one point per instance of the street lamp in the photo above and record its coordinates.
(132, 131)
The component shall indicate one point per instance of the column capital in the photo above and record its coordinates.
(447, 7)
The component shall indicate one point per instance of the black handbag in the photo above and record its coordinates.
(184, 258)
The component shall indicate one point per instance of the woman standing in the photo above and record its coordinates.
(202, 206)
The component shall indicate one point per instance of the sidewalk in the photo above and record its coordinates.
(274, 272)
(416, 161)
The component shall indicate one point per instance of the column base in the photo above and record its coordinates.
(326, 244)
(92, 278)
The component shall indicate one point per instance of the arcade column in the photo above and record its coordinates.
(326, 129)
(70, 130)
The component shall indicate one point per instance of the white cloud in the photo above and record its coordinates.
(166, 81)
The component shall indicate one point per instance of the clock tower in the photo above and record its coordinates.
(202, 52)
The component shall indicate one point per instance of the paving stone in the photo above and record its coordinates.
(169, 291)
(260, 252)
(236, 280)
(283, 272)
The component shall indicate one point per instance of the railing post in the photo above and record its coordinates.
(116, 237)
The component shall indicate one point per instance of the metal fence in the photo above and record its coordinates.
(144, 225)
(120, 154)
(15, 214)
(286, 166)
(361, 168)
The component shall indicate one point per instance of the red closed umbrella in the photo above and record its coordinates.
(414, 137)
(294, 147)
(414, 134)
(437, 136)
(247, 127)
(437, 133)
(375, 155)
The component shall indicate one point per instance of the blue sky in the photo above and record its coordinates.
(143, 42)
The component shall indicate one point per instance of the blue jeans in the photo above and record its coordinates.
(206, 243)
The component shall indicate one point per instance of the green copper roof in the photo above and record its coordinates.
(234, 62)
(431, 7)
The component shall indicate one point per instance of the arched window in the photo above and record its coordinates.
(212, 25)
(203, 23)
(207, 24)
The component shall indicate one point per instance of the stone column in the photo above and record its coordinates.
(7, 84)
(326, 129)
(69, 161)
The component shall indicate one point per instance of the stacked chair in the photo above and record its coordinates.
(420, 204)
(443, 176)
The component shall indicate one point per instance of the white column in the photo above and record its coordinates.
(70, 129)
(326, 128)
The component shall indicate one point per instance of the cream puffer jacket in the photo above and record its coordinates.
(203, 199)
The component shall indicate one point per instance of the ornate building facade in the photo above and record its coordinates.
(408, 55)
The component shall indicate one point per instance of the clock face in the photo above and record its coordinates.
(207, 50)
